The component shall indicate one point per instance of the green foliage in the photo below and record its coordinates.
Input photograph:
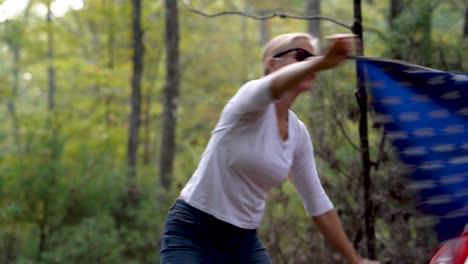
(92, 240)
(68, 199)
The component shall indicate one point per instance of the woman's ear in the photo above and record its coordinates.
(270, 64)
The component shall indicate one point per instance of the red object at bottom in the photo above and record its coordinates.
(454, 251)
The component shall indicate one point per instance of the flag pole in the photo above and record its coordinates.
(361, 97)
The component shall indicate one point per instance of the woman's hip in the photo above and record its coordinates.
(192, 233)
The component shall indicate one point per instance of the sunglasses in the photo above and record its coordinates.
(301, 54)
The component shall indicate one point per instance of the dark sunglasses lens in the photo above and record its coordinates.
(302, 54)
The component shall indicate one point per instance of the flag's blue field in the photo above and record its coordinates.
(425, 114)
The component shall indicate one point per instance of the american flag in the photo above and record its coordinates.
(425, 114)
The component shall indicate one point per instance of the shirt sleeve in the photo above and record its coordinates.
(253, 96)
(304, 177)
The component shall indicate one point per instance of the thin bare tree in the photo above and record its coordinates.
(50, 57)
(396, 7)
(171, 94)
(313, 9)
(135, 100)
(465, 24)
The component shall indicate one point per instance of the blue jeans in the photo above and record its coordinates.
(192, 236)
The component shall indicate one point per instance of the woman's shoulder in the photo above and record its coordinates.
(249, 85)
(296, 122)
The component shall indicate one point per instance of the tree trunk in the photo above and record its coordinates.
(264, 29)
(110, 64)
(313, 9)
(146, 123)
(361, 96)
(465, 24)
(152, 76)
(42, 224)
(95, 50)
(464, 40)
(426, 47)
(245, 45)
(14, 93)
(396, 8)
(111, 36)
(171, 94)
(135, 100)
(50, 57)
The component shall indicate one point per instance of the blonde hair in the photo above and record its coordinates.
(283, 42)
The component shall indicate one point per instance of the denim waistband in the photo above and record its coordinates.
(209, 220)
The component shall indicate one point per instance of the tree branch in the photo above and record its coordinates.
(325, 157)
(265, 17)
(381, 153)
(343, 132)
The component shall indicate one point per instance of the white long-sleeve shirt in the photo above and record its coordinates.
(246, 157)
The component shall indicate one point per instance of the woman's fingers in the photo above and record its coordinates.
(343, 44)
(340, 48)
(341, 36)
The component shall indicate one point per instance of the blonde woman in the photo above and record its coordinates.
(257, 142)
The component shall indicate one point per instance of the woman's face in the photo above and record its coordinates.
(292, 57)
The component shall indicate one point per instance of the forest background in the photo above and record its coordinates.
(108, 107)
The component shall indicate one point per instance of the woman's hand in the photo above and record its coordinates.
(342, 45)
